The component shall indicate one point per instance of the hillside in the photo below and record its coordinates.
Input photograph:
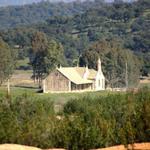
(4, 3)
(78, 25)
(13, 16)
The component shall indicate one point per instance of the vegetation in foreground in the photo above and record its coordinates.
(85, 123)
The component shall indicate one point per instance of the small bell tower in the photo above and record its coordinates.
(100, 79)
(99, 65)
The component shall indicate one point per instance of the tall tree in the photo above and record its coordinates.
(6, 61)
(114, 58)
(45, 55)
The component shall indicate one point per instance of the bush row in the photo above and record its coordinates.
(85, 123)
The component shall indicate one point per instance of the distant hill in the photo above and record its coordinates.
(16, 2)
(78, 25)
(40, 10)
(4, 3)
(13, 16)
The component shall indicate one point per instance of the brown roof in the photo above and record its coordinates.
(75, 74)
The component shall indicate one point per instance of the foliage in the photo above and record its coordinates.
(114, 119)
(20, 120)
(114, 59)
(6, 61)
(13, 16)
(45, 55)
(77, 25)
(86, 123)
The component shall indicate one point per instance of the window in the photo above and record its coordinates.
(103, 83)
(99, 83)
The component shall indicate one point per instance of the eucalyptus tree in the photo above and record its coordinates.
(114, 59)
(45, 55)
(7, 63)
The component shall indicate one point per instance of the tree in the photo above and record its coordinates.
(114, 58)
(6, 61)
(45, 55)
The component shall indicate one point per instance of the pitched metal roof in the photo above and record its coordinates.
(75, 74)
(81, 71)
(92, 74)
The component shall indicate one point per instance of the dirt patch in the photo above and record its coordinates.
(16, 147)
(139, 146)
(20, 147)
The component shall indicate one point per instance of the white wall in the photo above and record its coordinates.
(100, 82)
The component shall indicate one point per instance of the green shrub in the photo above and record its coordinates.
(26, 120)
(86, 123)
(117, 118)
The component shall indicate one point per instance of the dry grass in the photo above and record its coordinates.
(145, 81)
(22, 79)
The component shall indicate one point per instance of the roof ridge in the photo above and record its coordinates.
(72, 74)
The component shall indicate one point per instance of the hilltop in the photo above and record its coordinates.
(4, 3)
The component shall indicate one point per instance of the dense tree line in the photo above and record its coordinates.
(120, 65)
(13, 16)
(128, 22)
(85, 123)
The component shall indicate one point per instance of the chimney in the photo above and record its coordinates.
(85, 76)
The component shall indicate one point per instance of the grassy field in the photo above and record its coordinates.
(21, 88)
(59, 99)
(23, 62)
(22, 83)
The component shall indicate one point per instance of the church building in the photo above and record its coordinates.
(75, 79)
